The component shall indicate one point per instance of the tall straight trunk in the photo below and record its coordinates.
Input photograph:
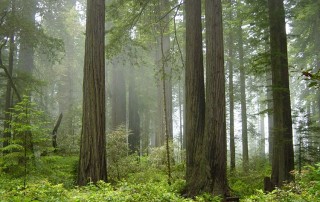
(26, 56)
(159, 118)
(166, 119)
(317, 52)
(283, 162)
(231, 96)
(183, 76)
(8, 102)
(262, 144)
(118, 96)
(195, 100)
(26, 51)
(92, 163)
(310, 138)
(184, 109)
(167, 69)
(243, 101)
(270, 113)
(181, 138)
(215, 140)
(165, 85)
(145, 138)
(159, 139)
(268, 81)
(318, 90)
(134, 117)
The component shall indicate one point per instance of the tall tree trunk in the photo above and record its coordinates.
(181, 138)
(134, 118)
(166, 84)
(92, 163)
(231, 96)
(262, 132)
(160, 120)
(8, 103)
(184, 109)
(55, 131)
(165, 74)
(283, 162)
(145, 132)
(317, 57)
(270, 112)
(26, 51)
(118, 96)
(195, 100)
(26, 55)
(243, 101)
(183, 76)
(215, 129)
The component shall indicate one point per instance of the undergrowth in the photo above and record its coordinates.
(53, 177)
(53, 180)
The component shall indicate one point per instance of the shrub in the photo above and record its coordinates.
(120, 164)
(305, 188)
(30, 137)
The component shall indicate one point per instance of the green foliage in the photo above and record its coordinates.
(305, 188)
(40, 191)
(149, 184)
(52, 178)
(56, 169)
(245, 184)
(158, 156)
(29, 136)
(313, 78)
(120, 164)
(208, 198)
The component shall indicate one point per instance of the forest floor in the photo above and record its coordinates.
(52, 179)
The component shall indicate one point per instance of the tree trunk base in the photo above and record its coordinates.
(268, 185)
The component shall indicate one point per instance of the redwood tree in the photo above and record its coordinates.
(243, 102)
(92, 163)
(231, 91)
(134, 117)
(195, 101)
(283, 158)
(118, 96)
(215, 129)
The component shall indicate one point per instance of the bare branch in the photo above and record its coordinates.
(2, 17)
(137, 17)
(176, 36)
(167, 13)
(11, 81)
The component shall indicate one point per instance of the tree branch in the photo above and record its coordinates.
(176, 36)
(2, 17)
(11, 82)
(8, 74)
(54, 132)
(167, 13)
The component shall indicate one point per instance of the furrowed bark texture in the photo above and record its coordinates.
(283, 158)
(195, 102)
(231, 96)
(215, 128)
(92, 164)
